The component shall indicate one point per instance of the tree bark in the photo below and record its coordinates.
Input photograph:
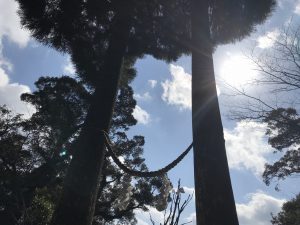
(214, 196)
(77, 203)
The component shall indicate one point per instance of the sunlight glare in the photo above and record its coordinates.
(237, 70)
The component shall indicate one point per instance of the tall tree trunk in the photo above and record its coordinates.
(214, 197)
(77, 203)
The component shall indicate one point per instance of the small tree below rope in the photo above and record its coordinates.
(176, 207)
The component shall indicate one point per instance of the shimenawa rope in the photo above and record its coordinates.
(137, 173)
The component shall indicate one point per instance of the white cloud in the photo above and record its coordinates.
(10, 28)
(10, 23)
(267, 40)
(143, 218)
(69, 68)
(141, 115)
(297, 8)
(3, 78)
(143, 97)
(189, 190)
(10, 95)
(258, 209)
(177, 91)
(247, 147)
(152, 83)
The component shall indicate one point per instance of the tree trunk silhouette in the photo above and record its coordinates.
(77, 203)
(214, 197)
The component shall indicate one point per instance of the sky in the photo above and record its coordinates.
(163, 111)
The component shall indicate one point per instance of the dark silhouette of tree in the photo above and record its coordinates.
(13, 164)
(278, 69)
(279, 65)
(279, 73)
(176, 207)
(98, 34)
(213, 23)
(283, 129)
(41, 154)
(290, 213)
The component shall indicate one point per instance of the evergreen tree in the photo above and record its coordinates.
(215, 22)
(98, 34)
(42, 151)
(284, 136)
(290, 213)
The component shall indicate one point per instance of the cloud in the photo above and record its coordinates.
(189, 190)
(152, 83)
(10, 95)
(10, 26)
(267, 40)
(177, 91)
(247, 147)
(143, 97)
(297, 8)
(141, 115)
(143, 218)
(258, 209)
(69, 68)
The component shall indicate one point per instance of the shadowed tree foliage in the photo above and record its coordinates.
(284, 136)
(279, 73)
(98, 34)
(175, 208)
(14, 162)
(35, 154)
(290, 213)
(215, 22)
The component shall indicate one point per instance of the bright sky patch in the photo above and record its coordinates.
(237, 70)
(177, 90)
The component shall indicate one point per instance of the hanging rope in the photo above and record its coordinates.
(137, 173)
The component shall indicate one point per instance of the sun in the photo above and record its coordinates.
(237, 70)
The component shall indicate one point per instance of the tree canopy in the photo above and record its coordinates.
(279, 73)
(290, 213)
(99, 34)
(35, 154)
(284, 136)
(84, 29)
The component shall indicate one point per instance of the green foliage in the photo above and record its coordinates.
(15, 163)
(84, 29)
(35, 153)
(161, 28)
(290, 213)
(284, 136)
(42, 207)
(232, 20)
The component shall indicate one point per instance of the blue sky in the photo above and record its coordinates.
(163, 94)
